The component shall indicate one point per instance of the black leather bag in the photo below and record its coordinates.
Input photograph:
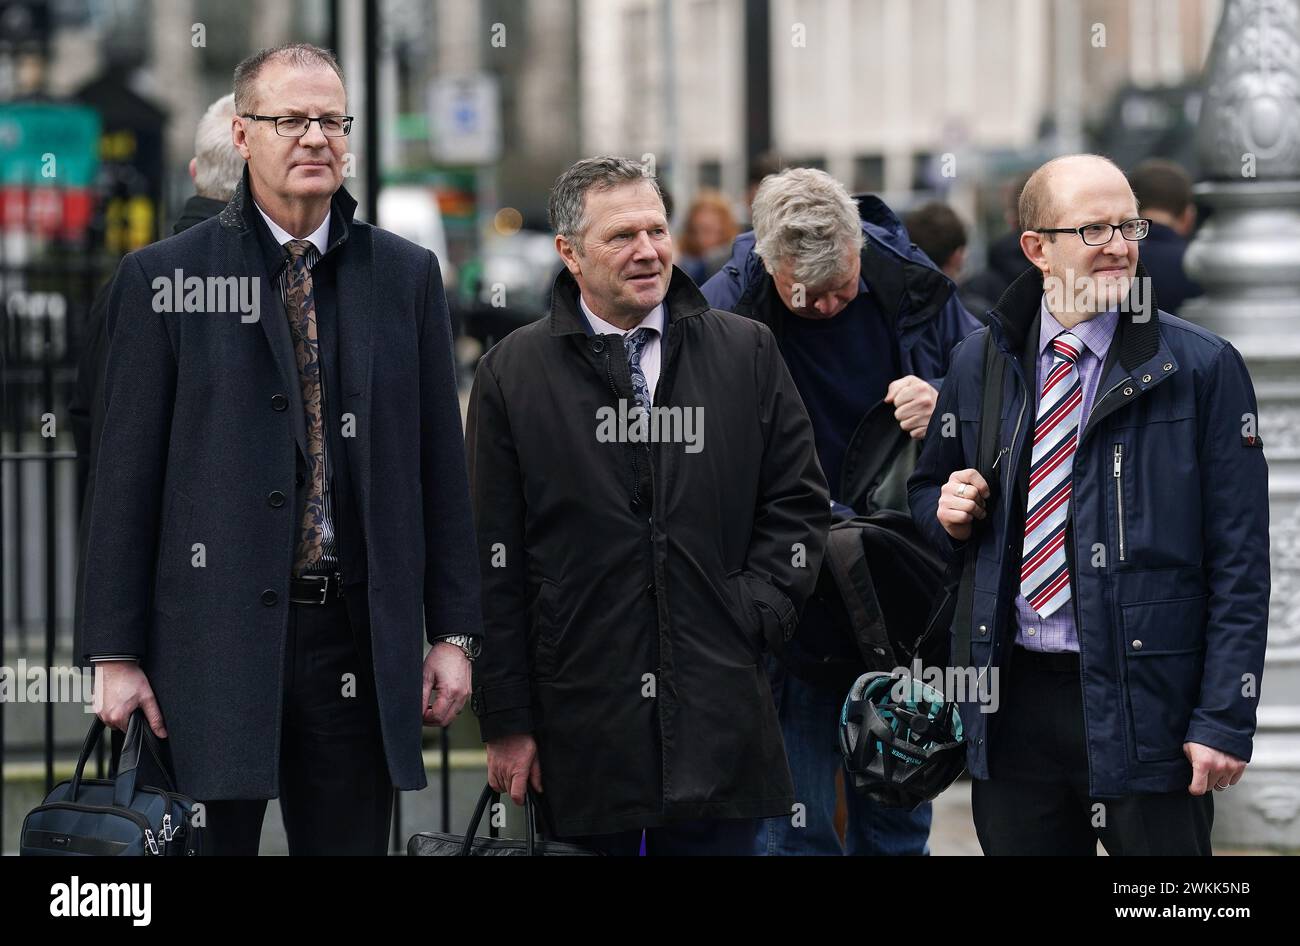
(122, 815)
(438, 844)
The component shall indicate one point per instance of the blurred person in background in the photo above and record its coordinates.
(939, 232)
(706, 237)
(1005, 259)
(1164, 194)
(861, 316)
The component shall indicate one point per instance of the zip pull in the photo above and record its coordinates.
(1119, 459)
(168, 832)
(998, 459)
(149, 840)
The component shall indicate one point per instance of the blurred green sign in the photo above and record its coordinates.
(43, 143)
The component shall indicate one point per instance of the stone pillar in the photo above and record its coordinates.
(1247, 257)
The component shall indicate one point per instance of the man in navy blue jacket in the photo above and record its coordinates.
(1120, 592)
(861, 316)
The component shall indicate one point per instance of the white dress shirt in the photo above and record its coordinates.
(320, 236)
(650, 354)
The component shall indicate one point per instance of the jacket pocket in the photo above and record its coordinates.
(745, 613)
(545, 631)
(173, 552)
(1164, 649)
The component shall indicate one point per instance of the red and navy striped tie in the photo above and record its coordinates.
(1044, 569)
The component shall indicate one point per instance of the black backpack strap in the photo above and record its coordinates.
(847, 561)
(990, 427)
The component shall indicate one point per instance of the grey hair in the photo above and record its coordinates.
(302, 55)
(218, 165)
(568, 204)
(805, 217)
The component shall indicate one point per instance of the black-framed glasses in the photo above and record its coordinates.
(1099, 234)
(295, 126)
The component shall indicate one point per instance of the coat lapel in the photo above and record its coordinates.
(355, 303)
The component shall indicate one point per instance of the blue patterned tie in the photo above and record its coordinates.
(635, 342)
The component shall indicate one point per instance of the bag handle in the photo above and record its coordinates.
(92, 737)
(139, 739)
(533, 804)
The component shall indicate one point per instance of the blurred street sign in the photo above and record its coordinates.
(465, 119)
(48, 144)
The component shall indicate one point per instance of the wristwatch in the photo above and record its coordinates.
(470, 646)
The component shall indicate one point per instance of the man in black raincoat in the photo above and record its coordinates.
(651, 516)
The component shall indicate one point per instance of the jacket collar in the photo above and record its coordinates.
(1137, 340)
(241, 215)
(682, 301)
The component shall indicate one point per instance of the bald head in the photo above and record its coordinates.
(1066, 182)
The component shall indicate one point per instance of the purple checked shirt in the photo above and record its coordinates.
(1058, 633)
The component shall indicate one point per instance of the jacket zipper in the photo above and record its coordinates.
(1119, 494)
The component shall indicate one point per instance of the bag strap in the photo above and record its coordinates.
(488, 795)
(990, 426)
(92, 737)
(847, 561)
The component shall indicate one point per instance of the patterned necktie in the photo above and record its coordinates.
(1044, 569)
(300, 306)
(635, 342)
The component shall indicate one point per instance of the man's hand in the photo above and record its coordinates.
(446, 671)
(913, 401)
(512, 765)
(120, 687)
(1212, 768)
(961, 502)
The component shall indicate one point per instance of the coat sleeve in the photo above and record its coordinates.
(451, 581)
(502, 698)
(1234, 500)
(940, 457)
(931, 351)
(130, 470)
(793, 507)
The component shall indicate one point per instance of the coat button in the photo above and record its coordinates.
(597, 346)
(1128, 391)
(279, 402)
(1137, 645)
(275, 499)
(984, 629)
(1146, 378)
(1169, 366)
(269, 598)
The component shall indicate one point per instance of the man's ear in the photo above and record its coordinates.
(1187, 220)
(239, 136)
(568, 254)
(194, 167)
(1031, 244)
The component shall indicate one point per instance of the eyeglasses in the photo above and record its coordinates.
(295, 126)
(1099, 234)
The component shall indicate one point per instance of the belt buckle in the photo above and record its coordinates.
(324, 587)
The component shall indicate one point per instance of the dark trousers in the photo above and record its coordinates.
(335, 793)
(705, 838)
(1037, 801)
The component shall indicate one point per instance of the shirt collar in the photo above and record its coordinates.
(654, 321)
(1096, 333)
(318, 237)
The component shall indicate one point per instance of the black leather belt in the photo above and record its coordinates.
(1066, 662)
(316, 589)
